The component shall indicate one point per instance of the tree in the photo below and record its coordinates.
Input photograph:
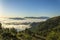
(53, 36)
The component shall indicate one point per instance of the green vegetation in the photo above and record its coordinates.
(48, 30)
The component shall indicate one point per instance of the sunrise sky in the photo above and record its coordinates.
(22, 8)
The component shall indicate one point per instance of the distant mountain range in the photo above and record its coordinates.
(18, 18)
(38, 17)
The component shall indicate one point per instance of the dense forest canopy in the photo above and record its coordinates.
(47, 30)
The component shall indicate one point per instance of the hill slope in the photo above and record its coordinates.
(48, 30)
(45, 28)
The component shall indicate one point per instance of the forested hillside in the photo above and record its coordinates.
(47, 30)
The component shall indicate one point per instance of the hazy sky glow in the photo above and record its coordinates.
(30, 8)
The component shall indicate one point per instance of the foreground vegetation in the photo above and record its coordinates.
(48, 30)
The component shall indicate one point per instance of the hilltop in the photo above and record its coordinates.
(48, 28)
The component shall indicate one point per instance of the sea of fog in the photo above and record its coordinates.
(18, 24)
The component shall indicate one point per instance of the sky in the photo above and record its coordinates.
(23, 8)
